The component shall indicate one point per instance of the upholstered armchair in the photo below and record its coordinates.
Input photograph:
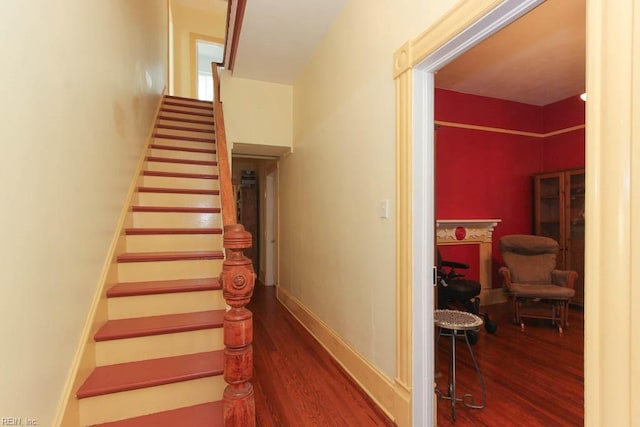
(536, 289)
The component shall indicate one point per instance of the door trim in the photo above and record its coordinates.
(415, 63)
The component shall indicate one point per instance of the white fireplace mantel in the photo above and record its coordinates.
(469, 232)
(464, 231)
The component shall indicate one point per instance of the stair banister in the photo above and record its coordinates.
(237, 279)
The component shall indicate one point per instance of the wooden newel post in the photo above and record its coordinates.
(237, 279)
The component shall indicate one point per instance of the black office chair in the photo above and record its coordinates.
(455, 292)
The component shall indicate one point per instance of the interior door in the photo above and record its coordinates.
(270, 232)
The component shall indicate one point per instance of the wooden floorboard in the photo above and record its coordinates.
(295, 381)
(533, 378)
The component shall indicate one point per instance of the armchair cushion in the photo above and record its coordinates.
(518, 252)
(521, 290)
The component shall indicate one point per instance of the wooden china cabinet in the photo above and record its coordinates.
(559, 214)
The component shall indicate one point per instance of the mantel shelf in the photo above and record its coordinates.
(452, 231)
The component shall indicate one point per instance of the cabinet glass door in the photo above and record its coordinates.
(549, 208)
(549, 219)
(575, 230)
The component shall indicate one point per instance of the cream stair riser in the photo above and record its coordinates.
(183, 115)
(178, 200)
(203, 126)
(181, 155)
(183, 183)
(173, 242)
(132, 403)
(182, 133)
(168, 270)
(160, 304)
(157, 346)
(176, 220)
(180, 168)
(178, 143)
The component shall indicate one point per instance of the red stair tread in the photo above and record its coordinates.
(204, 415)
(129, 289)
(177, 190)
(157, 325)
(150, 373)
(148, 231)
(174, 209)
(169, 256)
(180, 175)
(185, 149)
(181, 161)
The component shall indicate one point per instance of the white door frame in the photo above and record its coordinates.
(422, 194)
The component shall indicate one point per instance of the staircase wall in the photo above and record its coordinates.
(81, 83)
(267, 106)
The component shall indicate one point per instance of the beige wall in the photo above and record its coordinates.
(81, 81)
(257, 112)
(337, 255)
(187, 20)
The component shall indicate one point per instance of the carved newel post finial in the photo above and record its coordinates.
(237, 280)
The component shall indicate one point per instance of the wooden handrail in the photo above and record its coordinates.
(237, 280)
(235, 17)
(226, 187)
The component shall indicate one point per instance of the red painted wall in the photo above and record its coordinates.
(564, 151)
(563, 114)
(479, 110)
(483, 175)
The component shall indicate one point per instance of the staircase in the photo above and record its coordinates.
(160, 356)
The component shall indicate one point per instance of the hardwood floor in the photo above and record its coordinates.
(533, 378)
(296, 382)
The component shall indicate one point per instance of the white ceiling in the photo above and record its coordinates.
(278, 37)
(537, 60)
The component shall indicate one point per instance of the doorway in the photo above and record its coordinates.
(414, 72)
(612, 83)
(255, 186)
(204, 51)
